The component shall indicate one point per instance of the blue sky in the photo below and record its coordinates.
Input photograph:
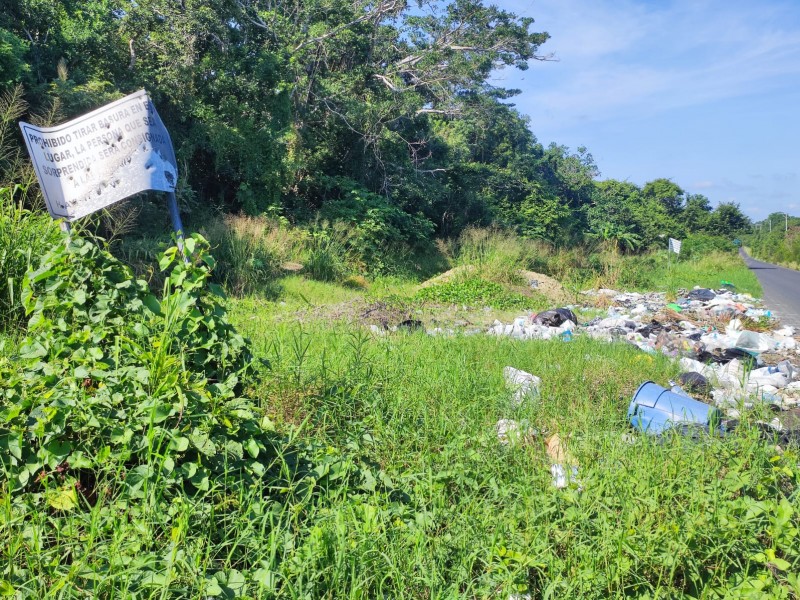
(706, 93)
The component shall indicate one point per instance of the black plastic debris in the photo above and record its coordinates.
(725, 356)
(702, 294)
(411, 325)
(654, 327)
(694, 383)
(555, 318)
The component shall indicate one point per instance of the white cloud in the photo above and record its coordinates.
(694, 90)
(631, 58)
(702, 185)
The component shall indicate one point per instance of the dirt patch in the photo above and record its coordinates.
(382, 314)
(547, 286)
(292, 267)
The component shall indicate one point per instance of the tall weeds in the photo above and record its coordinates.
(24, 237)
(328, 254)
(497, 255)
(251, 251)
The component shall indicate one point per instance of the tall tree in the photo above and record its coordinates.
(696, 216)
(728, 219)
(665, 192)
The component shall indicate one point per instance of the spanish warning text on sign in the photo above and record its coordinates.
(102, 157)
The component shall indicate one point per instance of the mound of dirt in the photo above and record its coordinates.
(448, 276)
(534, 282)
(360, 311)
(543, 284)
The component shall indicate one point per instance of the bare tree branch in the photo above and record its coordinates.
(388, 83)
(435, 111)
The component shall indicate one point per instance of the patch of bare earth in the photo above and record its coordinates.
(358, 311)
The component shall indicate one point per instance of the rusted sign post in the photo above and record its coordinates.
(103, 157)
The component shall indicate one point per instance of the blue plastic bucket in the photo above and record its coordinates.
(655, 409)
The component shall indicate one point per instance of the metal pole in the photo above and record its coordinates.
(786, 229)
(175, 215)
(66, 227)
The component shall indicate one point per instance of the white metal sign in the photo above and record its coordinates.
(102, 157)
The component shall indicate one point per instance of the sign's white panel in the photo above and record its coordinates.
(102, 157)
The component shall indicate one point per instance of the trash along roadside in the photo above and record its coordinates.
(721, 358)
(725, 366)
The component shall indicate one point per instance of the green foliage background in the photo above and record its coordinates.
(380, 115)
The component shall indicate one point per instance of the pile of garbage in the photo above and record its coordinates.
(725, 362)
(524, 387)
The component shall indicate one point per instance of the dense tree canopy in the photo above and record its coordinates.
(341, 108)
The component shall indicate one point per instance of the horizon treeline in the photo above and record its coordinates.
(379, 114)
(776, 239)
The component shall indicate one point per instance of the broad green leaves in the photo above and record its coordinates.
(111, 377)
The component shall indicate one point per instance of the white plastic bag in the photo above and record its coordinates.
(524, 385)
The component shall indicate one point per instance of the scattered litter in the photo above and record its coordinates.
(411, 325)
(524, 385)
(557, 450)
(694, 383)
(707, 330)
(562, 476)
(510, 432)
(564, 468)
(701, 294)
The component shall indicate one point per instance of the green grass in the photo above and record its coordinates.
(383, 474)
(466, 517)
(474, 291)
(411, 495)
(710, 271)
(24, 236)
(660, 272)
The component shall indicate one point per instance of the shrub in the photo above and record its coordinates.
(111, 377)
(379, 231)
(250, 251)
(125, 445)
(701, 244)
(328, 256)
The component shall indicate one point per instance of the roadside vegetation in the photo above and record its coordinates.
(155, 445)
(776, 240)
(381, 116)
(268, 419)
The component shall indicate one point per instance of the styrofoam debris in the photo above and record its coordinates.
(508, 431)
(524, 385)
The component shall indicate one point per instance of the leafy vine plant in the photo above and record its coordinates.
(113, 383)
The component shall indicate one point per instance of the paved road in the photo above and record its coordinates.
(781, 289)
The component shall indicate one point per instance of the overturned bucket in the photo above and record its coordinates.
(655, 409)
